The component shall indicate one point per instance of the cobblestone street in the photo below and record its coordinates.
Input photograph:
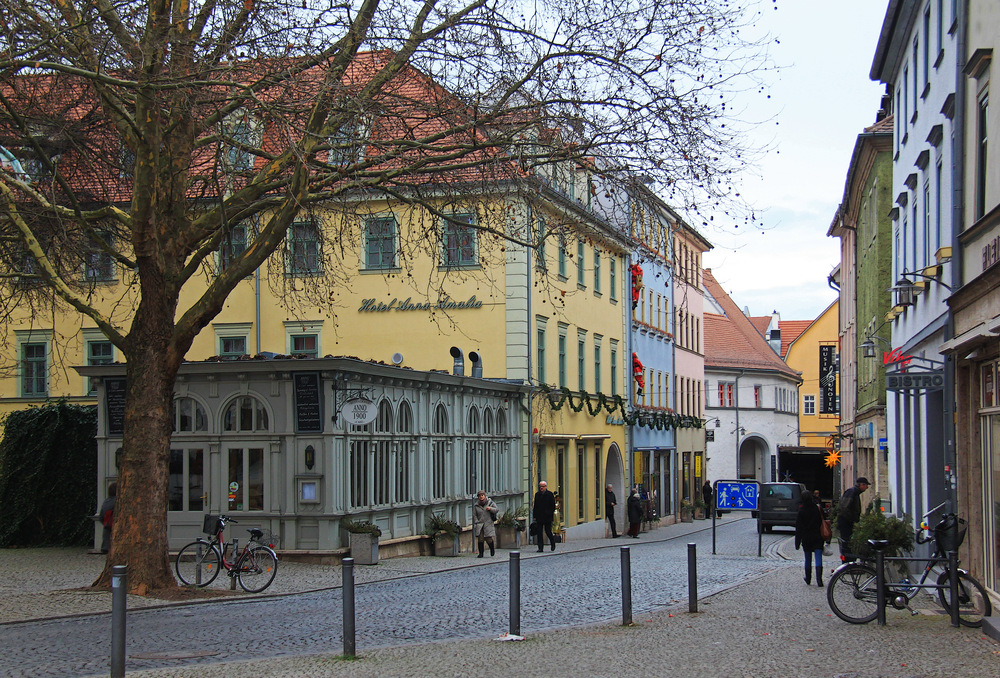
(571, 594)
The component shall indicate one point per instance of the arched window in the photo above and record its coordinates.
(473, 447)
(245, 413)
(501, 422)
(404, 453)
(439, 445)
(383, 424)
(189, 416)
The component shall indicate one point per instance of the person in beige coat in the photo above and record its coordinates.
(484, 513)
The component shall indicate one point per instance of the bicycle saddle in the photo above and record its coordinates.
(255, 534)
(878, 544)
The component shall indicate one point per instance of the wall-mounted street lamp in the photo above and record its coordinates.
(906, 290)
(868, 346)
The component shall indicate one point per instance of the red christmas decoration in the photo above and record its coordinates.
(638, 374)
(636, 271)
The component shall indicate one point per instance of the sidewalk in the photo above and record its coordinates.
(51, 582)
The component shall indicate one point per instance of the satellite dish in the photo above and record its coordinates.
(397, 358)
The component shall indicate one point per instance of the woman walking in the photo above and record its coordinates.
(807, 535)
(484, 512)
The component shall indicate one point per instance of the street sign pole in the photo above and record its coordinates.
(735, 495)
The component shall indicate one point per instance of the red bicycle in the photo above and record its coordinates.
(199, 562)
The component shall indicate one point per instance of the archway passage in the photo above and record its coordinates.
(753, 455)
(614, 475)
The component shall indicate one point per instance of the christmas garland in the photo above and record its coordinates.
(615, 403)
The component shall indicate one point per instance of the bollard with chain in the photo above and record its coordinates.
(515, 593)
(626, 587)
(348, 598)
(118, 605)
(692, 578)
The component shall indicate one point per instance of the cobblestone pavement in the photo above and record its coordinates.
(774, 625)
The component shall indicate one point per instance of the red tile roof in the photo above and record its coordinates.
(761, 323)
(790, 331)
(732, 341)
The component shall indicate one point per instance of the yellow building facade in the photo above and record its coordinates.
(409, 285)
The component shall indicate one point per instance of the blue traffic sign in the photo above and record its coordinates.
(733, 495)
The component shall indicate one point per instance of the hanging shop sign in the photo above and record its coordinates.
(914, 380)
(443, 304)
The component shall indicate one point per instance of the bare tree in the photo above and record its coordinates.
(141, 137)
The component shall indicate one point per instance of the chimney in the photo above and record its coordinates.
(459, 368)
(774, 334)
(477, 365)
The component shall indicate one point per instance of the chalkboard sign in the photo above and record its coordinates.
(308, 403)
(114, 402)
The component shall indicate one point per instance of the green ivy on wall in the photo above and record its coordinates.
(48, 476)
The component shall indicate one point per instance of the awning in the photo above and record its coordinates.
(973, 337)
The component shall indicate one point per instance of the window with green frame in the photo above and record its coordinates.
(304, 344)
(98, 353)
(597, 365)
(380, 243)
(540, 235)
(614, 367)
(581, 361)
(579, 264)
(562, 257)
(562, 358)
(303, 248)
(458, 241)
(34, 369)
(597, 271)
(232, 347)
(540, 354)
(234, 244)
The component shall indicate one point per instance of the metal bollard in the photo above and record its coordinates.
(953, 586)
(348, 598)
(197, 562)
(880, 583)
(692, 578)
(236, 551)
(118, 605)
(515, 593)
(626, 587)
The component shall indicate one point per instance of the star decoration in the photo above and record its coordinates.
(832, 459)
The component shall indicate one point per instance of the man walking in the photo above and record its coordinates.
(609, 507)
(849, 513)
(543, 511)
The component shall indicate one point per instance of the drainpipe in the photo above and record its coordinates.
(957, 224)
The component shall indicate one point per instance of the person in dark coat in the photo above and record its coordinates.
(543, 510)
(807, 535)
(610, 501)
(107, 514)
(849, 512)
(707, 494)
(634, 513)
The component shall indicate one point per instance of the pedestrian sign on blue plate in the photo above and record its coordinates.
(734, 495)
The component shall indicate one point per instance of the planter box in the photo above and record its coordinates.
(508, 538)
(699, 514)
(687, 516)
(364, 548)
(445, 545)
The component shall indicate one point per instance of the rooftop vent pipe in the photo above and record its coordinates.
(459, 368)
(477, 365)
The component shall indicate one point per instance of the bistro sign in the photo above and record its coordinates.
(924, 380)
(445, 304)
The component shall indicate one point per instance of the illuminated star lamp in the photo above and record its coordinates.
(832, 459)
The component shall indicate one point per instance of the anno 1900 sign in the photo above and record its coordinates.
(444, 304)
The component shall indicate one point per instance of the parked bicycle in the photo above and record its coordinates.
(199, 562)
(853, 592)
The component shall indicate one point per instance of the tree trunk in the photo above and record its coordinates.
(139, 532)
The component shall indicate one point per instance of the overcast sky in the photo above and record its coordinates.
(822, 99)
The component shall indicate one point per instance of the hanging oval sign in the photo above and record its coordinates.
(359, 411)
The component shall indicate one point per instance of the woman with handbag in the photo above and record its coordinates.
(808, 535)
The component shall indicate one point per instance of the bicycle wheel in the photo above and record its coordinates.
(973, 601)
(852, 593)
(198, 564)
(256, 568)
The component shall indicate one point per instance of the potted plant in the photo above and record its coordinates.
(509, 529)
(443, 533)
(363, 538)
(687, 511)
(699, 508)
(874, 524)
